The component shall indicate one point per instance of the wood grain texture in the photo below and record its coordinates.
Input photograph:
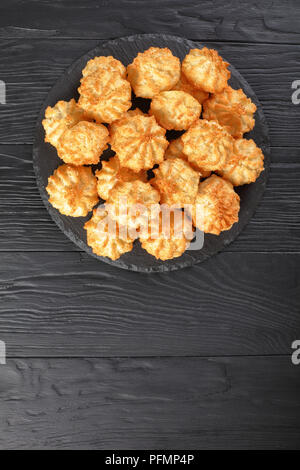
(239, 305)
(264, 21)
(73, 305)
(30, 68)
(26, 225)
(162, 403)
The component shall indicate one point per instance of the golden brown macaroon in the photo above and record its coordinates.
(175, 109)
(73, 190)
(232, 110)
(98, 64)
(205, 69)
(83, 144)
(61, 117)
(132, 112)
(104, 236)
(139, 142)
(175, 150)
(153, 71)
(216, 207)
(176, 181)
(131, 204)
(105, 97)
(246, 163)
(184, 85)
(112, 173)
(168, 236)
(207, 145)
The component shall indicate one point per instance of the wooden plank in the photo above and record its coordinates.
(284, 155)
(170, 403)
(20, 201)
(262, 21)
(30, 68)
(73, 305)
(26, 225)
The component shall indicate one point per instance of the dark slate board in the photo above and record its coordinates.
(46, 160)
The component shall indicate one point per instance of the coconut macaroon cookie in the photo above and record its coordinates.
(73, 190)
(139, 142)
(83, 144)
(98, 64)
(207, 145)
(112, 173)
(61, 117)
(175, 109)
(168, 235)
(205, 69)
(175, 150)
(176, 181)
(104, 96)
(246, 163)
(232, 110)
(132, 112)
(184, 85)
(152, 71)
(216, 207)
(105, 237)
(132, 203)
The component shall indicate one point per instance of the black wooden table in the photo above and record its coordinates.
(104, 358)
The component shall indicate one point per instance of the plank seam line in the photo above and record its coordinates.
(204, 40)
(151, 357)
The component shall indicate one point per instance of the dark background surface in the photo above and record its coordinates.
(104, 358)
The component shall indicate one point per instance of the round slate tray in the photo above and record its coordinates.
(45, 159)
